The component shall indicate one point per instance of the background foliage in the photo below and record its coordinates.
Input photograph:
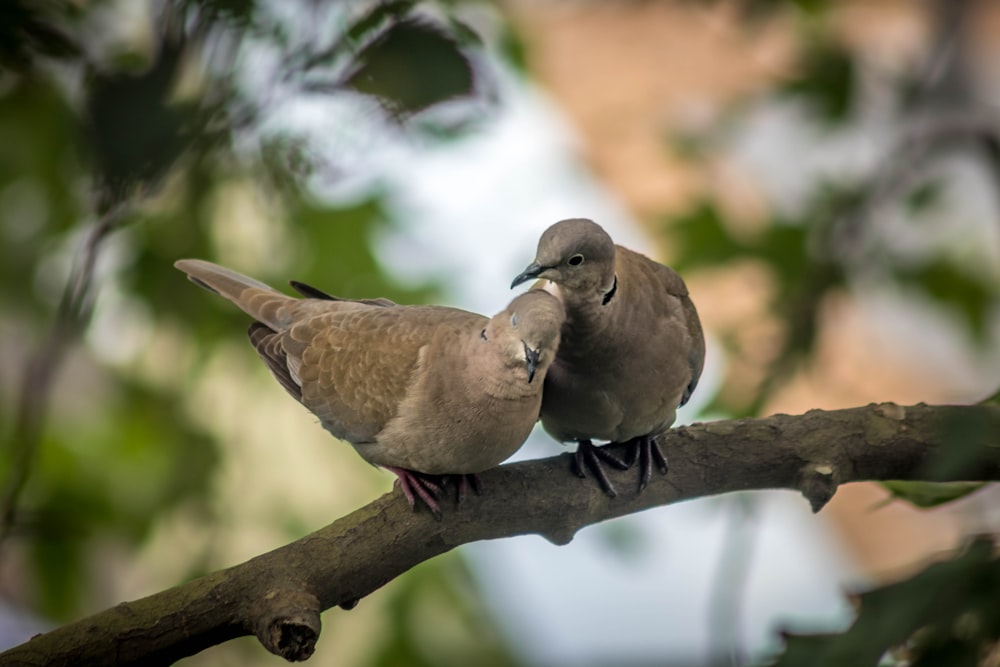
(118, 157)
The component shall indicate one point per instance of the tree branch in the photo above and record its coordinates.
(71, 318)
(278, 596)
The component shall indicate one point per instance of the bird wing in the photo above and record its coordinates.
(356, 362)
(311, 292)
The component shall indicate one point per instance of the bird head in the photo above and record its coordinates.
(532, 322)
(576, 254)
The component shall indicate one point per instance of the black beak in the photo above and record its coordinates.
(531, 359)
(530, 271)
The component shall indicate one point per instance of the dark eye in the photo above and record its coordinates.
(576, 260)
(513, 320)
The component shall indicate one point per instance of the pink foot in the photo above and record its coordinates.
(419, 485)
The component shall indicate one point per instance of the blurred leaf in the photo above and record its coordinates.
(946, 283)
(930, 494)
(135, 132)
(338, 256)
(437, 620)
(463, 33)
(58, 562)
(382, 14)
(704, 239)
(513, 48)
(825, 82)
(924, 196)
(363, 31)
(237, 12)
(949, 611)
(963, 457)
(32, 28)
(412, 67)
(788, 248)
(39, 187)
(762, 9)
(110, 477)
(992, 399)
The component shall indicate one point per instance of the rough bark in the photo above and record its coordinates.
(278, 596)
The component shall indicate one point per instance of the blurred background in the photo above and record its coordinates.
(824, 174)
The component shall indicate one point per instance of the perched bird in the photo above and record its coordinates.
(422, 391)
(631, 353)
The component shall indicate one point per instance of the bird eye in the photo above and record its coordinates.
(513, 320)
(576, 260)
(482, 334)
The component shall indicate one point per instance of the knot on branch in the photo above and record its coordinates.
(818, 483)
(287, 623)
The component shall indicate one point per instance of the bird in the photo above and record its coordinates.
(429, 393)
(632, 348)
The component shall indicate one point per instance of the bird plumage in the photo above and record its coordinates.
(632, 347)
(430, 389)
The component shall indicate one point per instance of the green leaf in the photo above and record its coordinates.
(380, 15)
(339, 257)
(136, 134)
(993, 399)
(704, 239)
(236, 12)
(29, 29)
(924, 196)
(412, 67)
(943, 281)
(948, 611)
(762, 9)
(825, 82)
(438, 619)
(930, 494)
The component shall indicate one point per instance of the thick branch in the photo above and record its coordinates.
(277, 596)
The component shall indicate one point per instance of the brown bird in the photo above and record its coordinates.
(632, 348)
(423, 391)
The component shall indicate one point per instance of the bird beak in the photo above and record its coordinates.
(531, 360)
(530, 271)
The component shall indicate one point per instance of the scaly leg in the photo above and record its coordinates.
(646, 450)
(419, 485)
(590, 457)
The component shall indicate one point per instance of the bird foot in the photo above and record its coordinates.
(590, 457)
(465, 482)
(428, 488)
(646, 450)
(419, 485)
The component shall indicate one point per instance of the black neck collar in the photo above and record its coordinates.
(611, 292)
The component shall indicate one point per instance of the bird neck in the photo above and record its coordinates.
(610, 294)
(588, 319)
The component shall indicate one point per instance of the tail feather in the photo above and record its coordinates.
(256, 299)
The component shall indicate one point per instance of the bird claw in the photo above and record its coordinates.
(590, 457)
(465, 482)
(646, 450)
(428, 488)
(418, 485)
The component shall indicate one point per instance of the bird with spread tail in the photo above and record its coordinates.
(631, 352)
(426, 392)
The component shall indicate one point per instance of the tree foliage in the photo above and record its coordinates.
(117, 155)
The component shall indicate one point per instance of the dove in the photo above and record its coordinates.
(426, 392)
(631, 352)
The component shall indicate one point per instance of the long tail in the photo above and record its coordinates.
(259, 301)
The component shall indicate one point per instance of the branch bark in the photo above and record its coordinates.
(278, 596)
